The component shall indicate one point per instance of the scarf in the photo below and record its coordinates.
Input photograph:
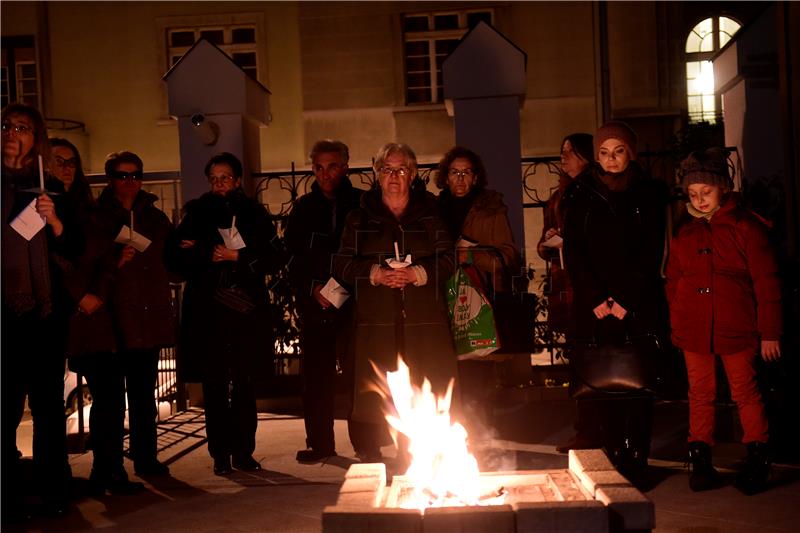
(25, 267)
(699, 214)
(455, 210)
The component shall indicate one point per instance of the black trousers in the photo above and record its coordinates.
(231, 416)
(33, 364)
(106, 379)
(617, 423)
(140, 367)
(319, 379)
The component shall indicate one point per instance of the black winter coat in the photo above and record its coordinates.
(205, 349)
(140, 296)
(312, 237)
(613, 247)
(413, 321)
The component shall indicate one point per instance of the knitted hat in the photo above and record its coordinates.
(616, 130)
(581, 145)
(707, 166)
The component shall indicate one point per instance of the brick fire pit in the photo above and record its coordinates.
(588, 497)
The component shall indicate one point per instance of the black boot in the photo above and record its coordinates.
(703, 475)
(754, 474)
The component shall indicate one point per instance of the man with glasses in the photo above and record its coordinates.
(312, 237)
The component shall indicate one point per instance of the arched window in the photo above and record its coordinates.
(705, 39)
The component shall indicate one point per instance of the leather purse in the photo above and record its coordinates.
(609, 368)
(232, 296)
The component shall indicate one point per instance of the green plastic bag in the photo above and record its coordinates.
(471, 315)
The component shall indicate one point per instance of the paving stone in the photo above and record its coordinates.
(488, 519)
(350, 519)
(589, 460)
(366, 470)
(588, 516)
(628, 508)
(602, 478)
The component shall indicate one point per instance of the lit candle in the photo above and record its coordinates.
(41, 174)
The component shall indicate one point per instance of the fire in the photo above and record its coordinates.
(443, 471)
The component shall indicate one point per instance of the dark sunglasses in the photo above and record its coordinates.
(125, 176)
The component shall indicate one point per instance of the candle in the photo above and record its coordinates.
(233, 224)
(41, 174)
(396, 252)
(131, 227)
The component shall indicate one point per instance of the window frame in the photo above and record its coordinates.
(431, 36)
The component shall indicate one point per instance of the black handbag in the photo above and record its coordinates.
(232, 296)
(603, 368)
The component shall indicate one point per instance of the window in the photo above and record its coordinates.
(428, 38)
(705, 39)
(19, 73)
(239, 42)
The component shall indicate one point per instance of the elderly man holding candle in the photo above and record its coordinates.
(37, 226)
(400, 307)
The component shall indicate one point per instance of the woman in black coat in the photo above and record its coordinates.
(614, 230)
(227, 335)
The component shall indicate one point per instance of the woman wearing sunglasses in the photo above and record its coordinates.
(139, 303)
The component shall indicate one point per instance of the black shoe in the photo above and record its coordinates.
(54, 508)
(222, 466)
(703, 475)
(754, 475)
(369, 456)
(312, 456)
(153, 467)
(579, 442)
(246, 464)
(117, 484)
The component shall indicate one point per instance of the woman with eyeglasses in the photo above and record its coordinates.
(397, 310)
(66, 165)
(224, 248)
(139, 301)
(478, 220)
(34, 312)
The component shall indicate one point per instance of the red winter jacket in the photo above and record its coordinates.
(722, 283)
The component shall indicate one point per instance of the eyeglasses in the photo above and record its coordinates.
(66, 163)
(461, 173)
(221, 179)
(399, 171)
(125, 176)
(19, 129)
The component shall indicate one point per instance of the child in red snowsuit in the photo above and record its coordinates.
(724, 297)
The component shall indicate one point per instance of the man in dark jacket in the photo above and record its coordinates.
(312, 236)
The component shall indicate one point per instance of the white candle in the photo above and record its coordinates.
(233, 224)
(396, 251)
(41, 174)
(131, 227)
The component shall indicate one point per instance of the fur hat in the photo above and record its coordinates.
(581, 144)
(707, 166)
(616, 130)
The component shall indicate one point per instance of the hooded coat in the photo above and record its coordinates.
(204, 348)
(140, 300)
(722, 283)
(412, 322)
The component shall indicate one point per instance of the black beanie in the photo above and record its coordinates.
(582, 144)
(707, 166)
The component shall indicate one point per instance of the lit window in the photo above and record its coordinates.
(239, 42)
(705, 39)
(428, 38)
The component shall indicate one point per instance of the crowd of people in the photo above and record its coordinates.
(96, 277)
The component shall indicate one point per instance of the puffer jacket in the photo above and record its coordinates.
(722, 283)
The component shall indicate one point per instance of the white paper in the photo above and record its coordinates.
(334, 293)
(554, 242)
(137, 240)
(394, 263)
(233, 239)
(29, 222)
